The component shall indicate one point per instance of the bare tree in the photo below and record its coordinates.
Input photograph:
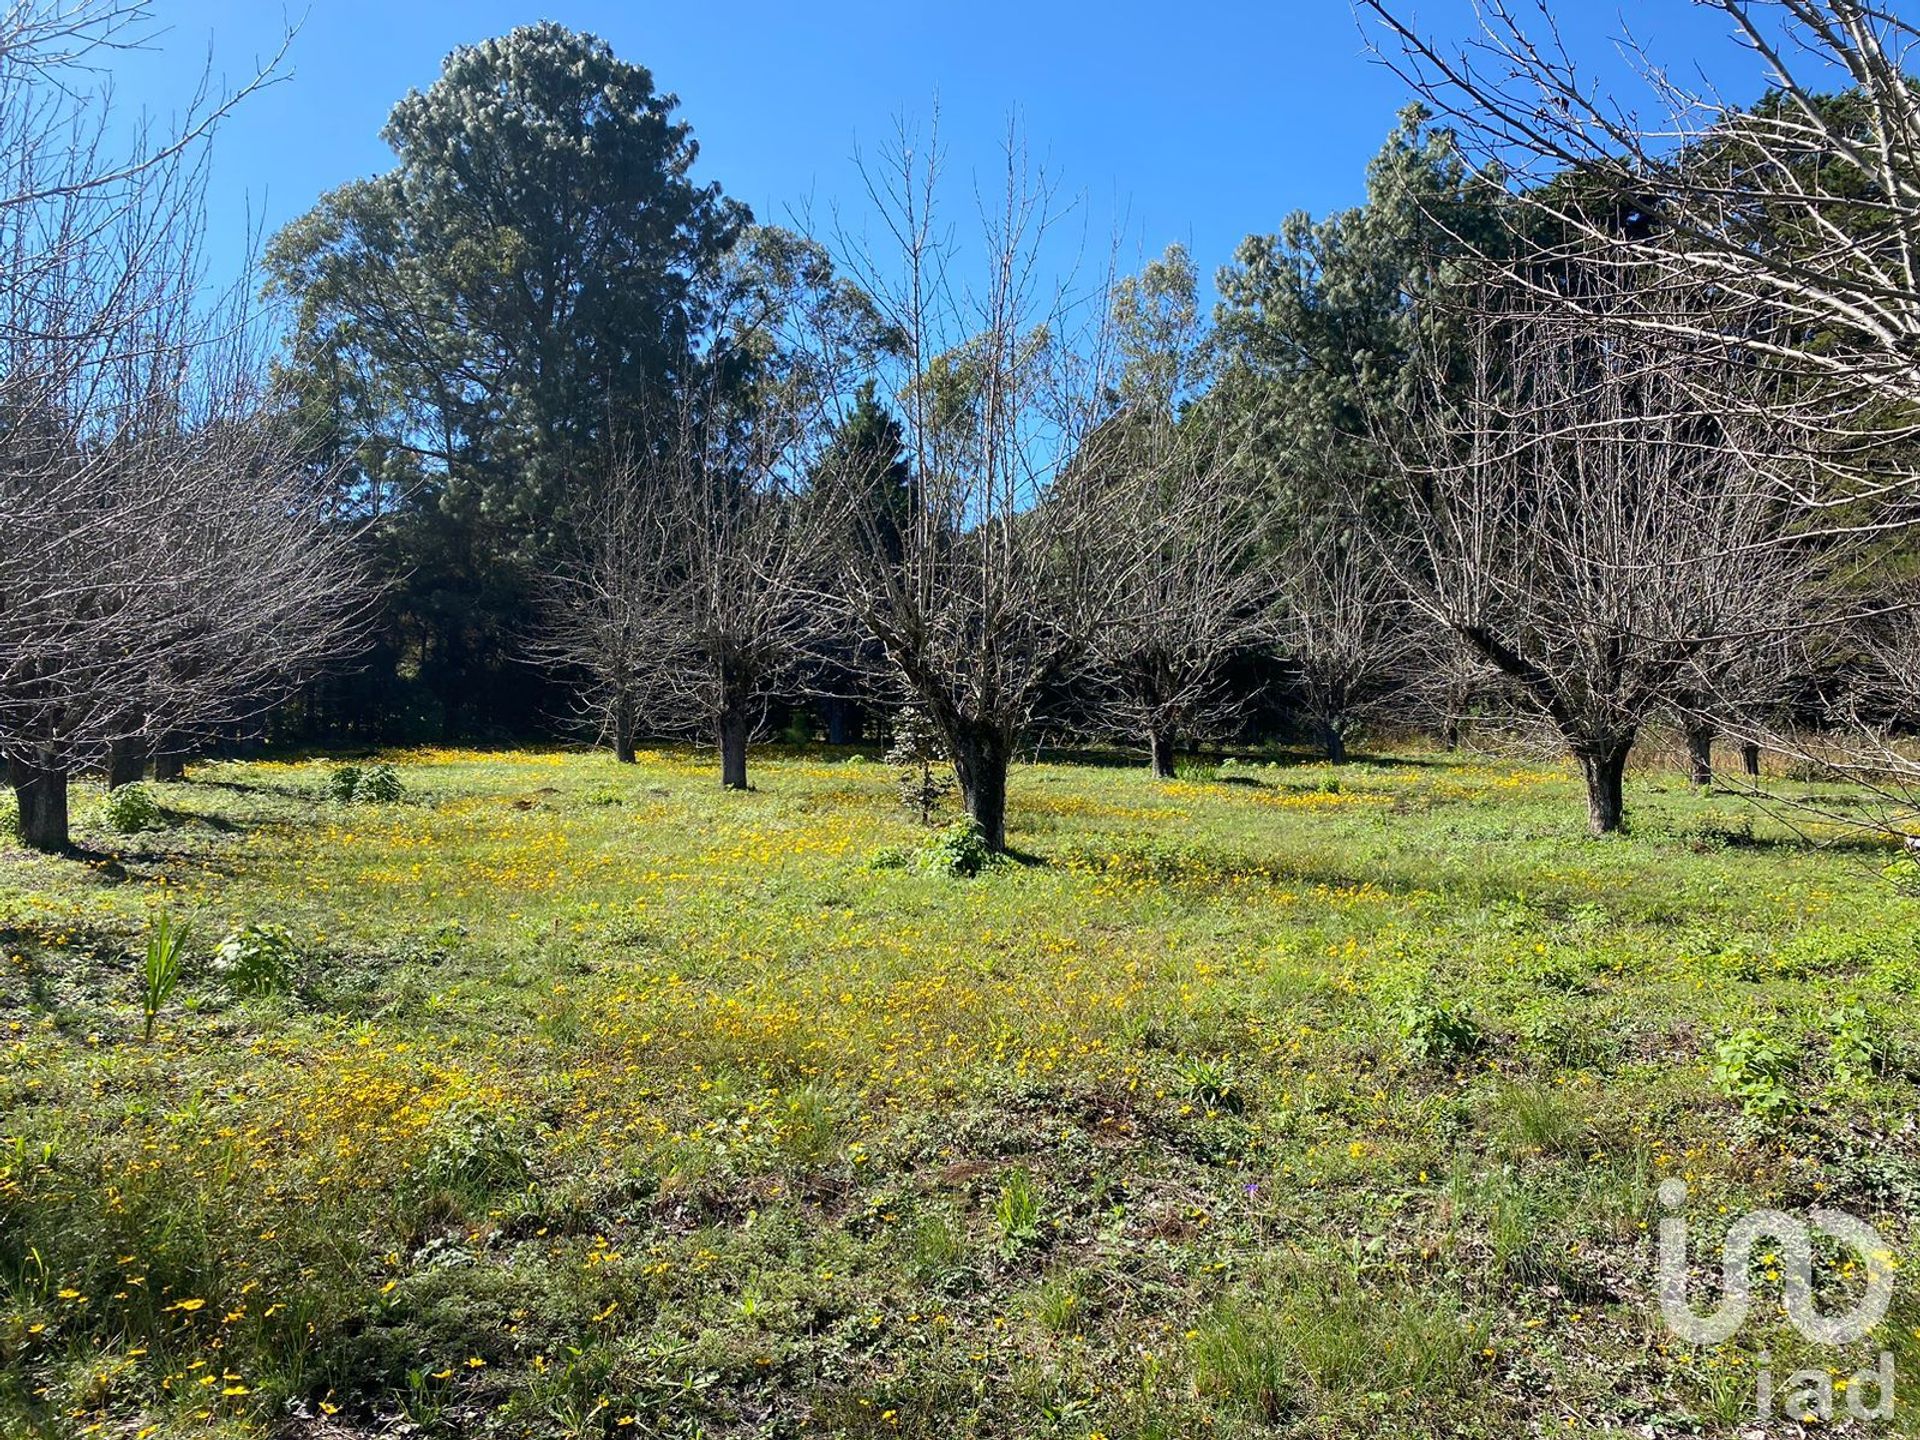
(1182, 568)
(1344, 625)
(603, 604)
(1178, 544)
(1577, 519)
(981, 592)
(687, 595)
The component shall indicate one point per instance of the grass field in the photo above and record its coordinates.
(581, 1099)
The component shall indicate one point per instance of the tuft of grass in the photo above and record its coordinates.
(161, 966)
(1533, 1119)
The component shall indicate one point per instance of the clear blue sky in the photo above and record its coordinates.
(1192, 120)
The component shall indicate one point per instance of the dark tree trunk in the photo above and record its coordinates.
(980, 761)
(733, 748)
(126, 763)
(1604, 768)
(1458, 698)
(1160, 744)
(1335, 743)
(1700, 752)
(1750, 758)
(839, 722)
(169, 758)
(40, 786)
(623, 727)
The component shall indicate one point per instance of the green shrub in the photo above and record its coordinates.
(256, 960)
(380, 786)
(957, 850)
(372, 785)
(1434, 1032)
(131, 809)
(1755, 1068)
(919, 755)
(343, 783)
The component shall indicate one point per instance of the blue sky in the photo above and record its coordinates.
(1190, 120)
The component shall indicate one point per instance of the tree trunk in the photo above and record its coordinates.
(623, 727)
(126, 763)
(1604, 768)
(1160, 743)
(1700, 751)
(733, 730)
(1750, 758)
(169, 758)
(1335, 743)
(980, 765)
(40, 786)
(839, 722)
(1450, 732)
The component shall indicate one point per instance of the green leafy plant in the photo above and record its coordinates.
(380, 786)
(1211, 1082)
(477, 1150)
(1755, 1067)
(1904, 875)
(1435, 1032)
(1016, 1211)
(131, 809)
(957, 850)
(920, 756)
(371, 785)
(160, 971)
(343, 784)
(256, 960)
(1858, 1049)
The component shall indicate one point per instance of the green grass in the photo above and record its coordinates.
(592, 1100)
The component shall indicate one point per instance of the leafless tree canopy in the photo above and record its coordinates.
(688, 591)
(1787, 225)
(983, 590)
(1778, 227)
(162, 574)
(1579, 521)
(1344, 625)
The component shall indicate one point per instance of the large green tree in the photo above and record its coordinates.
(475, 326)
(1322, 325)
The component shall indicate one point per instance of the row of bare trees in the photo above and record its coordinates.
(1664, 444)
(1564, 522)
(164, 573)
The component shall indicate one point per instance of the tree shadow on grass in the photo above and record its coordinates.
(246, 787)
